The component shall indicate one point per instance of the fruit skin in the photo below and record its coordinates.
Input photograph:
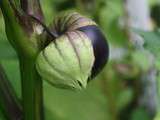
(74, 21)
(74, 51)
(100, 46)
(67, 62)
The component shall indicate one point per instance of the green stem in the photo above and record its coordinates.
(9, 103)
(27, 50)
(15, 33)
(31, 90)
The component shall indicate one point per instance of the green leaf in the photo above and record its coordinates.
(152, 41)
(11, 68)
(140, 114)
(128, 95)
(6, 50)
(67, 105)
(141, 59)
(111, 22)
(2, 116)
(63, 104)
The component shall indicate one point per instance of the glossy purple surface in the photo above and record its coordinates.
(100, 46)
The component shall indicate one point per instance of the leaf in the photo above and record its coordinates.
(140, 114)
(128, 95)
(152, 41)
(6, 50)
(2, 116)
(67, 105)
(63, 104)
(111, 22)
(11, 68)
(141, 59)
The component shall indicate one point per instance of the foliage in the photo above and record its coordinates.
(152, 44)
(115, 92)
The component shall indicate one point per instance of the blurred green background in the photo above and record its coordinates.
(118, 92)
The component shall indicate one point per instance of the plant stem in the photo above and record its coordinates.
(15, 33)
(27, 51)
(8, 100)
(31, 90)
(32, 7)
